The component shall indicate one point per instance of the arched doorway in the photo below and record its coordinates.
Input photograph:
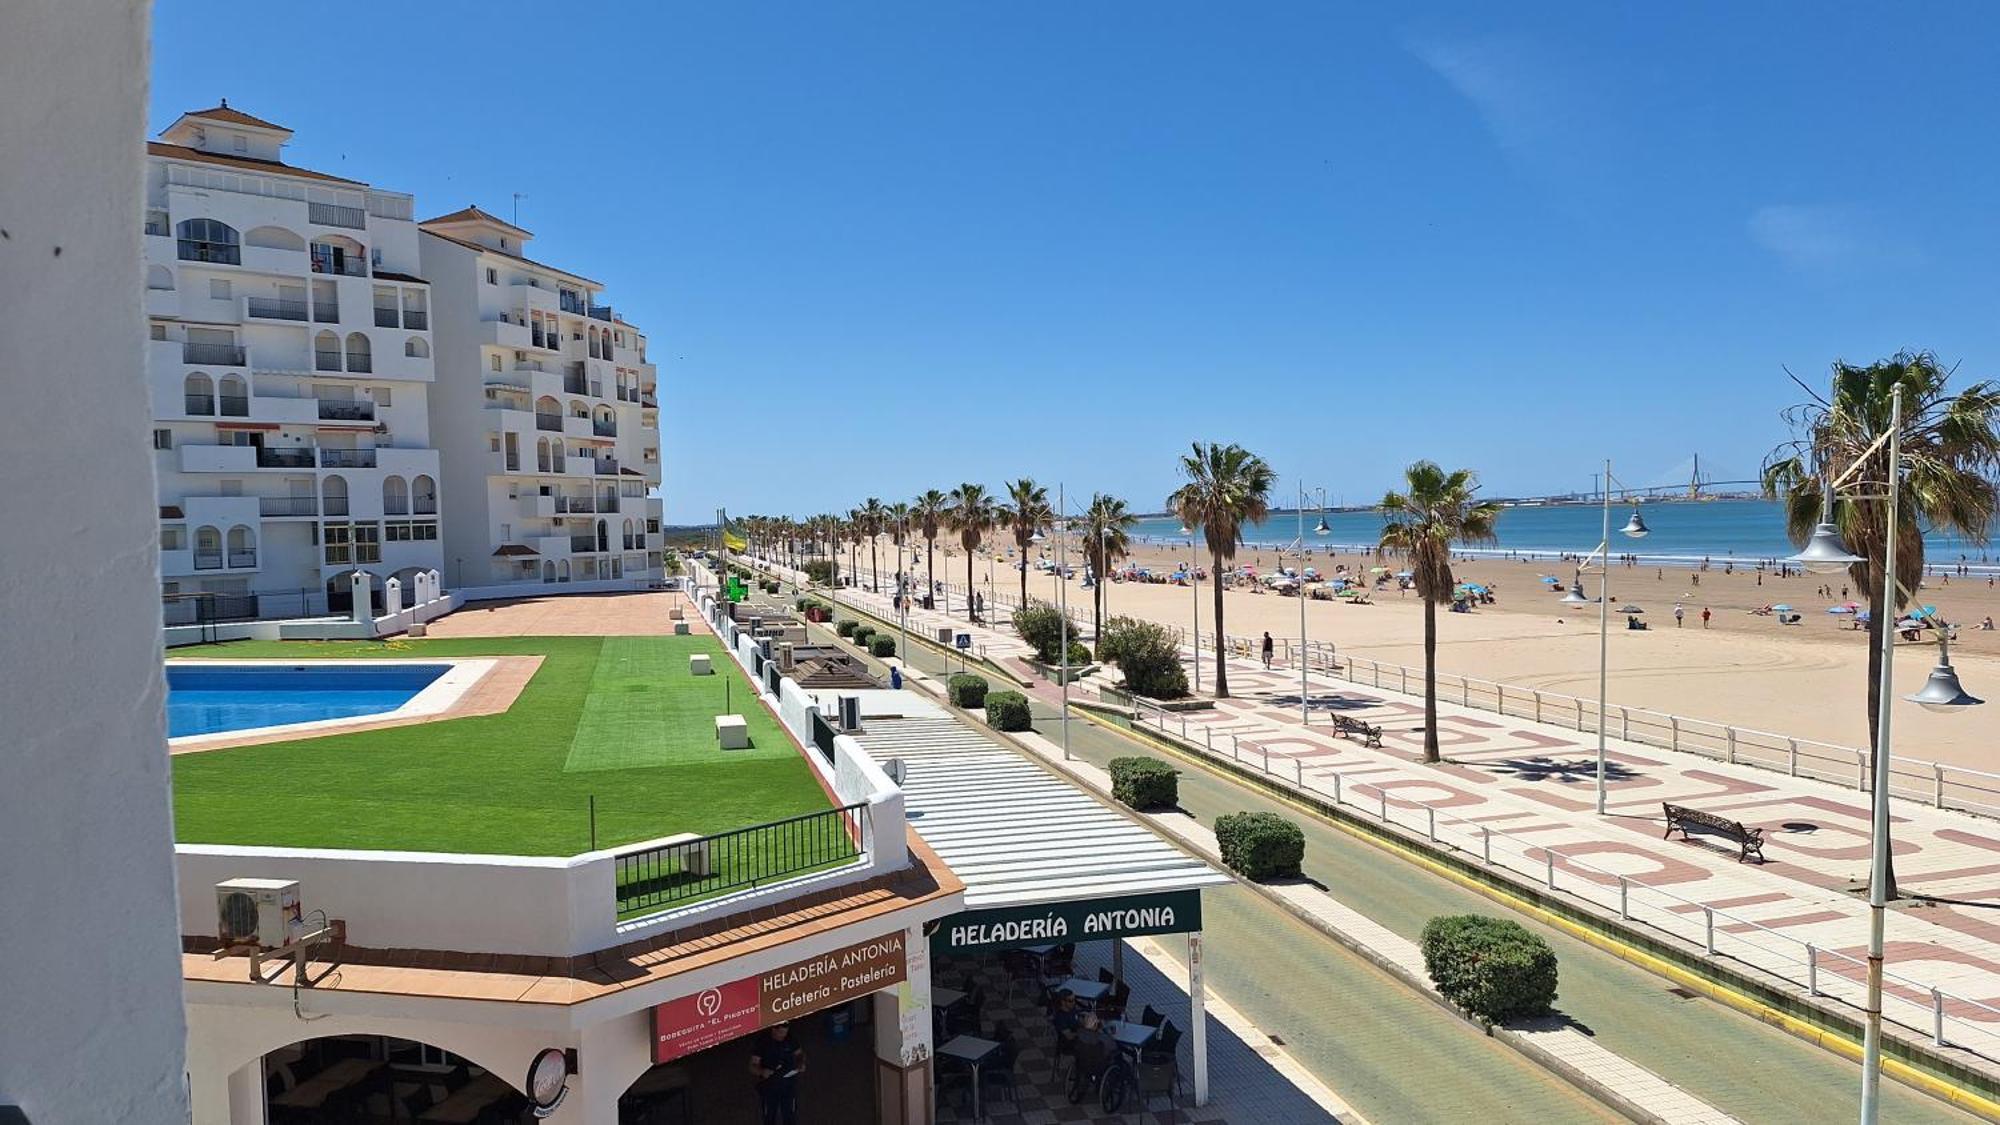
(379, 1078)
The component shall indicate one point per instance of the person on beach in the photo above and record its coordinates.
(1679, 612)
(1269, 645)
(1704, 617)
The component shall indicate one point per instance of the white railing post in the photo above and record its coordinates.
(1579, 713)
(1538, 706)
(1708, 929)
(1267, 758)
(1464, 692)
(1236, 747)
(1812, 969)
(1937, 1017)
(1625, 723)
(1183, 726)
(1486, 844)
(1336, 790)
(1431, 821)
(1861, 770)
(1549, 862)
(1299, 771)
(1406, 680)
(1624, 899)
(1208, 738)
(1674, 732)
(1384, 795)
(1729, 734)
(1792, 757)
(1937, 785)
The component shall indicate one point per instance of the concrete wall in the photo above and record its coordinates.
(89, 949)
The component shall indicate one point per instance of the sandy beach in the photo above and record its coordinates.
(1807, 679)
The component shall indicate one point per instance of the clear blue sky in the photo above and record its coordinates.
(935, 241)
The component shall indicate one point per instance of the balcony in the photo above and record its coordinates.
(360, 364)
(347, 458)
(287, 506)
(571, 303)
(198, 404)
(333, 215)
(341, 265)
(243, 559)
(582, 505)
(220, 253)
(600, 312)
(385, 318)
(335, 411)
(416, 320)
(607, 466)
(234, 406)
(289, 457)
(274, 308)
(213, 355)
(576, 425)
(326, 312)
(208, 560)
(504, 334)
(602, 428)
(576, 543)
(573, 379)
(550, 422)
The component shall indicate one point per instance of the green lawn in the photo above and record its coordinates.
(618, 718)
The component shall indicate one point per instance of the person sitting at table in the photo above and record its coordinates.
(776, 1063)
(1067, 1020)
(1094, 1048)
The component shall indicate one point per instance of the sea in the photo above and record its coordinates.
(1681, 533)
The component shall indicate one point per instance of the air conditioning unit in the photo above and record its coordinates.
(260, 912)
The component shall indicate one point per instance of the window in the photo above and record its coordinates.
(503, 242)
(218, 288)
(367, 543)
(492, 276)
(173, 537)
(208, 240)
(239, 142)
(336, 539)
(493, 443)
(410, 531)
(163, 439)
(381, 396)
(495, 362)
(158, 331)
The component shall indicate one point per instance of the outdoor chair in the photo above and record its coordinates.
(1163, 1045)
(1159, 1077)
(1151, 1017)
(999, 1071)
(1104, 977)
(1112, 1006)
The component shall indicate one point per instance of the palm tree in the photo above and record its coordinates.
(1107, 529)
(899, 530)
(872, 522)
(1227, 487)
(1435, 510)
(972, 514)
(1026, 512)
(850, 532)
(929, 512)
(1950, 450)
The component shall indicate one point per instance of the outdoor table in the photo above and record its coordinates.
(945, 997)
(466, 1103)
(1087, 992)
(1131, 1035)
(973, 1051)
(313, 1092)
(1039, 950)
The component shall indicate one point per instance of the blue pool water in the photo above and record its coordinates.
(216, 698)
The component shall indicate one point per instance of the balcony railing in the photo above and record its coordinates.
(208, 560)
(568, 504)
(234, 406)
(334, 215)
(199, 404)
(583, 542)
(334, 411)
(552, 422)
(570, 303)
(157, 225)
(195, 250)
(288, 506)
(344, 266)
(608, 502)
(347, 458)
(326, 361)
(424, 505)
(243, 558)
(607, 467)
(290, 457)
(385, 318)
(221, 355)
(360, 363)
(276, 308)
(600, 312)
(416, 320)
(336, 505)
(575, 385)
(665, 876)
(604, 429)
(326, 312)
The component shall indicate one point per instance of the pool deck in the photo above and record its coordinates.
(492, 693)
(572, 615)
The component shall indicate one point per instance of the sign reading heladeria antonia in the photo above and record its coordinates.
(1053, 923)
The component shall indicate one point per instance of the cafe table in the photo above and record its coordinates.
(973, 1051)
(1087, 992)
(313, 1092)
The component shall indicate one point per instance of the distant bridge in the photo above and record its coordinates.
(1710, 489)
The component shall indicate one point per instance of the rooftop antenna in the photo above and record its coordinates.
(518, 197)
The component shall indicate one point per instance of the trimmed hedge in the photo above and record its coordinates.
(1008, 710)
(1260, 845)
(801, 602)
(861, 634)
(1145, 783)
(966, 690)
(846, 628)
(881, 644)
(1493, 968)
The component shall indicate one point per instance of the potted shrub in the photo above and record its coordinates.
(1008, 711)
(1495, 969)
(881, 644)
(966, 690)
(1260, 845)
(861, 634)
(846, 628)
(1145, 783)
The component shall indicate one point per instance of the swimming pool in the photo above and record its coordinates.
(214, 697)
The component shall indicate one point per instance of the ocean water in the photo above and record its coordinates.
(1682, 533)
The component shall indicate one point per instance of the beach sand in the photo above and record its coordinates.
(1807, 680)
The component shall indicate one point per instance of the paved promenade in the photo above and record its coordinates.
(1522, 792)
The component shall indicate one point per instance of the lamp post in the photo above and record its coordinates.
(1635, 528)
(1194, 572)
(1299, 587)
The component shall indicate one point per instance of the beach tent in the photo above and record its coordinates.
(1630, 609)
(1781, 608)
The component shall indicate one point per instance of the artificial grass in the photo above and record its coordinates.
(617, 718)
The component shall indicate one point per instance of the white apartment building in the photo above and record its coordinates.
(545, 413)
(289, 357)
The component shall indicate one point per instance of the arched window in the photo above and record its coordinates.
(548, 570)
(159, 277)
(242, 546)
(333, 496)
(207, 548)
(628, 535)
(562, 570)
(542, 461)
(234, 397)
(603, 536)
(357, 353)
(208, 240)
(273, 238)
(199, 392)
(326, 352)
(395, 496)
(424, 495)
(548, 414)
(417, 347)
(605, 422)
(577, 409)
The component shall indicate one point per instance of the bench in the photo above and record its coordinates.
(732, 732)
(1345, 727)
(1750, 841)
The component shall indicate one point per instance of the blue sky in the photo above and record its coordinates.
(933, 241)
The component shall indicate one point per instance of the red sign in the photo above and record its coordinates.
(698, 1022)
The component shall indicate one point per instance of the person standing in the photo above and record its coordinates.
(1704, 617)
(1269, 647)
(1679, 612)
(776, 1062)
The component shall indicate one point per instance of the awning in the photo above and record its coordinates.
(246, 425)
(505, 550)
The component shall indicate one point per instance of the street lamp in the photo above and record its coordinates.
(1826, 553)
(1062, 595)
(1635, 528)
(1299, 587)
(1194, 573)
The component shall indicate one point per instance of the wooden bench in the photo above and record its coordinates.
(1346, 727)
(1750, 841)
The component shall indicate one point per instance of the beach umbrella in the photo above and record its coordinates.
(1630, 609)
(1378, 570)
(1863, 616)
(1405, 574)
(1551, 580)
(1473, 586)
(1840, 609)
(1911, 623)
(1781, 608)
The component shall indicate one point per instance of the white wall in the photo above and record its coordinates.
(89, 950)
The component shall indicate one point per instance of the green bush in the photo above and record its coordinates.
(819, 570)
(1260, 845)
(881, 644)
(1148, 655)
(1008, 710)
(846, 628)
(862, 633)
(1145, 783)
(1041, 625)
(1494, 968)
(966, 690)
(801, 602)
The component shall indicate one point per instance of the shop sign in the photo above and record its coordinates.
(717, 1015)
(1053, 923)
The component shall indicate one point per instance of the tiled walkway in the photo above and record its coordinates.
(1527, 788)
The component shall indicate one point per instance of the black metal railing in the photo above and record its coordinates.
(604, 428)
(823, 734)
(345, 265)
(225, 355)
(326, 361)
(606, 467)
(234, 406)
(347, 458)
(208, 560)
(336, 505)
(673, 874)
(600, 312)
(195, 250)
(288, 506)
(326, 312)
(423, 505)
(290, 457)
(416, 319)
(360, 363)
(243, 558)
(276, 308)
(570, 303)
(583, 542)
(198, 404)
(552, 422)
(385, 318)
(334, 411)
(574, 383)
(334, 215)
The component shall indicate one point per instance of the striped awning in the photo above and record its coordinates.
(1016, 833)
